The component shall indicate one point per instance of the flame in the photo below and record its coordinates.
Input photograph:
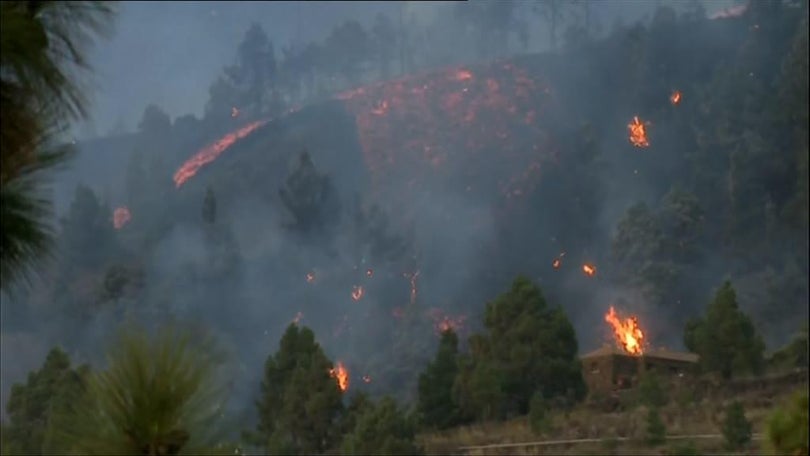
(310, 277)
(638, 133)
(558, 261)
(675, 98)
(210, 152)
(366, 379)
(443, 322)
(357, 292)
(628, 333)
(121, 216)
(369, 273)
(298, 317)
(589, 270)
(341, 375)
(234, 112)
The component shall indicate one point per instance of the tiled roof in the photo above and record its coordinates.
(660, 353)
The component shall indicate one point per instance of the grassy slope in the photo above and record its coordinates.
(681, 416)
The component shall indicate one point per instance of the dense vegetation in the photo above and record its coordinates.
(724, 211)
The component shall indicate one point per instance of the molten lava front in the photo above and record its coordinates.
(627, 332)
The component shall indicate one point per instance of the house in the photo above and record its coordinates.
(610, 368)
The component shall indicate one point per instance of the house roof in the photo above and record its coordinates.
(660, 353)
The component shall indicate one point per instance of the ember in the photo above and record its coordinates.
(558, 261)
(357, 292)
(369, 273)
(675, 98)
(121, 217)
(628, 334)
(341, 375)
(638, 133)
(589, 270)
(310, 277)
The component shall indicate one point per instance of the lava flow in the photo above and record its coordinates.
(341, 375)
(121, 216)
(638, 133)
(629, 335)
(210, 152)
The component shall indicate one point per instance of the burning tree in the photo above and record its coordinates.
(300, 399)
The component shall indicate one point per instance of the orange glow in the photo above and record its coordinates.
(589, 270)
(463, 75)
(210, 152)
(629, 335)
(341, 375)
(357, 292)
(557, 263)
(638, 133)
(675, 98)
(121, 216)
(443, 322)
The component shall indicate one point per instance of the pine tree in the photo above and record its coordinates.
(736, 427)
(383, 429)
(436, 406)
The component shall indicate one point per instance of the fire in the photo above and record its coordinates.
(589, 270)
(628, 333)
(234, 112)
(638, 133)
(121, 216)
(366, 379)
(210, 152)
(310, 277)
(369, 273)
(341, 374)
(675, 98)
(443, 322)
(558, 261)
(357, 292)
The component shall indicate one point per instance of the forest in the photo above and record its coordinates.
(406, 229)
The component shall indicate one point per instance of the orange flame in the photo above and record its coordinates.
(210, 152)
(675, 98)
(357, 292)
(638, 133)
(341, 374)
(310, 277)
(589, 270)
(628, 334)
(443, 322)
(558, 261)
(121, 217)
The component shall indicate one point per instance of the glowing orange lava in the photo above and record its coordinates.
(638, 133)
(357, 292)
(589, 270)
(341, 375)
(629, 335)
(210, 152)
(675, 98)
(121, 216)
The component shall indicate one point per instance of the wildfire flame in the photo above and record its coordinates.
(628, 333)
(210, 152)
(443, 322)
(121, 217)
(357, 292)
(558, 261)
(341, 375)
(589, 270)
(638, 133)
(675, 98)
(310, 277)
